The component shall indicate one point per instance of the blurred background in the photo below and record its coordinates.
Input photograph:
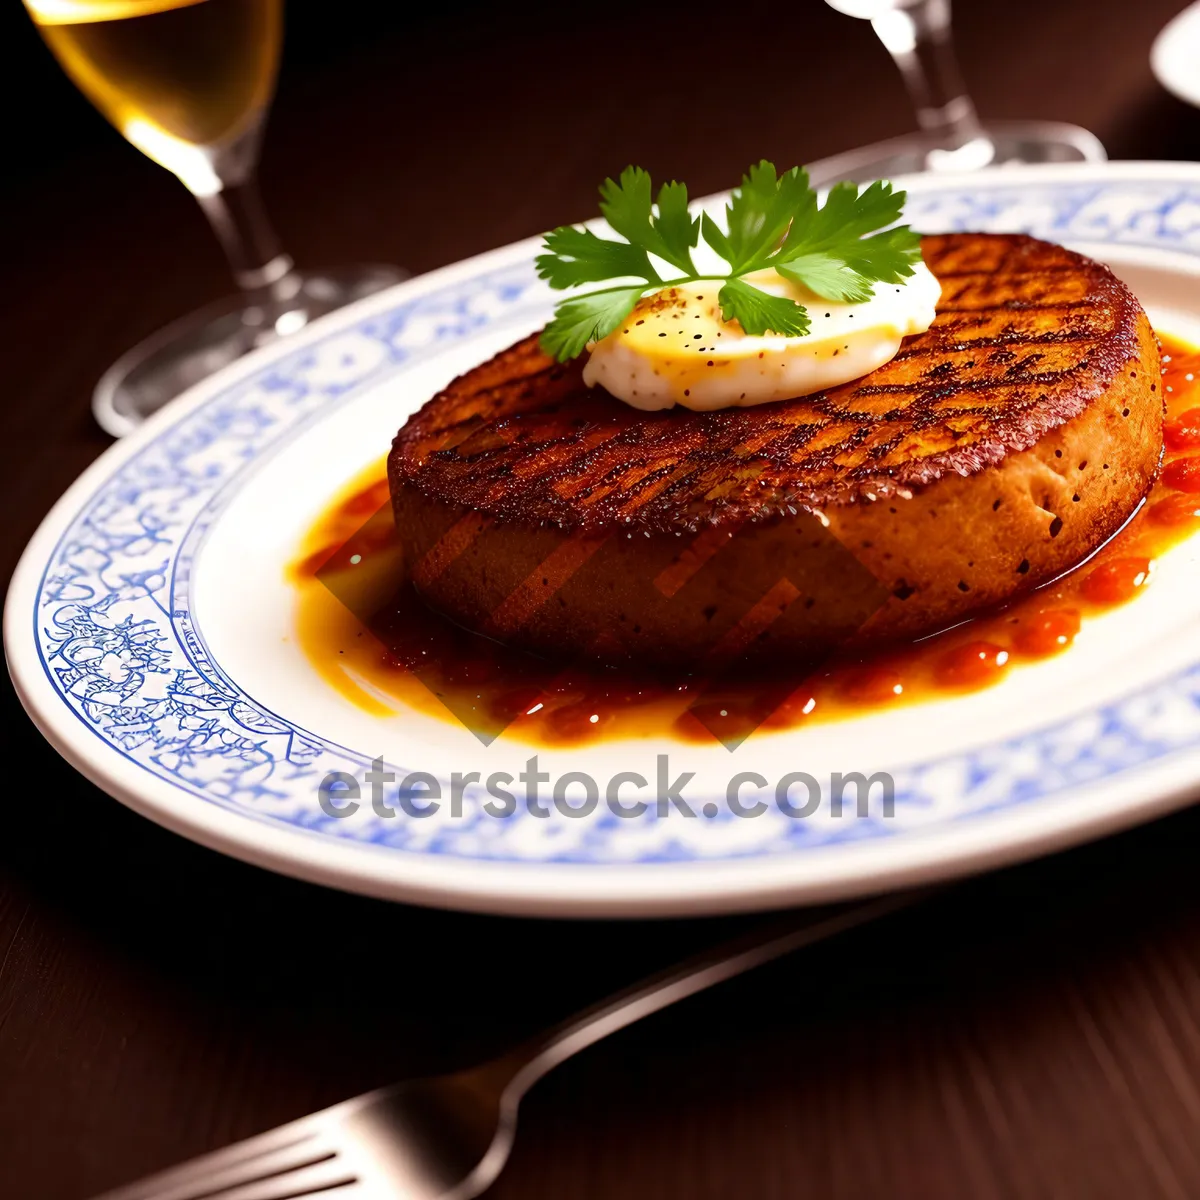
(417, 135)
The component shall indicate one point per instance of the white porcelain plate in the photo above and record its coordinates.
(1175, 56)
(149, 632)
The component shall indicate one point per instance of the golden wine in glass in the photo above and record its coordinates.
(189, 83)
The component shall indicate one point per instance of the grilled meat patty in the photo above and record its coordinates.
(993, 452)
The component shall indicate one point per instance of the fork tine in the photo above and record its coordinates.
(332, 1177)
(286, 1148)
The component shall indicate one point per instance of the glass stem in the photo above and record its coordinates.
(238, 219)
(918, 37)
(235, 211)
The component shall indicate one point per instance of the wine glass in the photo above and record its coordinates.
(951, 136)
(189, 82)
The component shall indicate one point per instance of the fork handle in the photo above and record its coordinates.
(530, 1062)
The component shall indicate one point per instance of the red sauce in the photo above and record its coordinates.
(1183, 474)
(1183, 433)
(1116, 581)
(972, 665)
(403, 656)
(1046, 633)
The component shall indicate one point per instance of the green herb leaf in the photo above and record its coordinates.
(759, 312)
(626, 206)
(846, 215)
(827, 276)
(587, 319)
(760, 212)
(887, 257)
(678, 230)
(573, 256)
(838, 250)
(715, 237)
(821, 240)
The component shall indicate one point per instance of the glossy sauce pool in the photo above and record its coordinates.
(384, 650)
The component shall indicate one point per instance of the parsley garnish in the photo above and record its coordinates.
(839, 251)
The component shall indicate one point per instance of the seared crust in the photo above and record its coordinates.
(1027, 334)
(995, 451)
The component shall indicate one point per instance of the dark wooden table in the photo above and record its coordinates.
(1034, 1033)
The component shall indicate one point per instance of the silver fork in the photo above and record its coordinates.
(447, 1137)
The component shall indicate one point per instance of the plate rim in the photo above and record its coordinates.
(548, 888)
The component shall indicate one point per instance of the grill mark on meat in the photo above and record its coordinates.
(954, 386)
(1014, 274)
(999, 342)
(1047, 306)
(522, 438)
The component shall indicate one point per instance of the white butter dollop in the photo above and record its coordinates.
(674, 348)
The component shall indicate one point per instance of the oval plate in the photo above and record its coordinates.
(148, 630)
